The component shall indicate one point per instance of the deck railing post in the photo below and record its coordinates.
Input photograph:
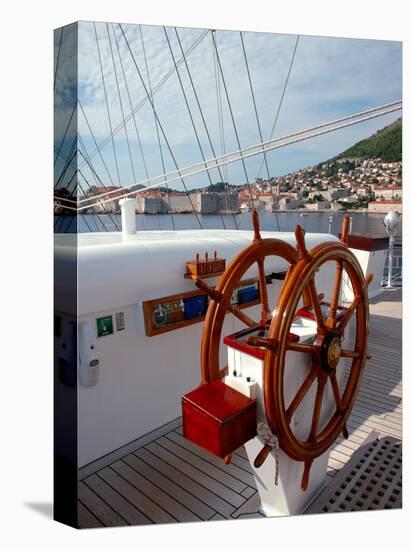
(390, 261)
(330, 224)
(391, 223)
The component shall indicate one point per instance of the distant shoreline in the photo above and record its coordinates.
(237, 213)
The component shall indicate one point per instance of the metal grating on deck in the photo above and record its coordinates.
(163, 478)
(372, 480)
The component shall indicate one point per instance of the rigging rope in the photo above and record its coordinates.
(283, 95)
(274, 140)
(62, 219)
(267, 146)
(79, 171)
(257, 117)
(65, 134)
(219, 102)
(253, 99)
(156, 126)
(278, 112)
(395, 104)
(97, 179)
(107, 104)
(94, 140)
(156, 88)
(160, 126)
(57, 60)
(220, 111)
(83, 215)
(232, 117)
(68, 164)
(73, 177)
(134, 119)
(191, 116)
(120, 102)
(201, 112)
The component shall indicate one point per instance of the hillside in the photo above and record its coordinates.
(385, 144)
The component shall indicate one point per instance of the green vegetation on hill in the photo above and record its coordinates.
(386, 144)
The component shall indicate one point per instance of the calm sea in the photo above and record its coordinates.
(317, 222)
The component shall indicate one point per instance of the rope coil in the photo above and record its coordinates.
(268, 438)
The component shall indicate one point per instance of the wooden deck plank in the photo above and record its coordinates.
(343, 450)
(85, 518)
(380, 417)
(248, 492)
(127, 509)
(217, 517)
(168, 504)
(230, 481)
(339, 456)
(190, 485)
(231, 469)
(100, 508)
(200, 477)
(170, 487)
(241, 452)
(251, 506)
(392, 402)
(370, 404)
(136, 498)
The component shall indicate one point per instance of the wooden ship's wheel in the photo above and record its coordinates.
(326, 351)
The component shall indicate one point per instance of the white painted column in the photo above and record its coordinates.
(128, 212)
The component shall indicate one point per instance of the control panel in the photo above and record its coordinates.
(180, 310)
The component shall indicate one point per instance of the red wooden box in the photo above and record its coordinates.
(218, 418)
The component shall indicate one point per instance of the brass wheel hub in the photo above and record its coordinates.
(334, 351)
(331, 352)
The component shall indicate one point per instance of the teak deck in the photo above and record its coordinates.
(162, 478)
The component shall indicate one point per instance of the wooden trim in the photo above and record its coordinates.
(233, 341)
(148, 306)
(368, 242)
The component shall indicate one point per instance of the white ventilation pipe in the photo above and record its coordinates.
(128, 213)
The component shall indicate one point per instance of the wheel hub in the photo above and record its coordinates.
(331, 352)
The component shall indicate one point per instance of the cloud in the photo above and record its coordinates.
(330, 77)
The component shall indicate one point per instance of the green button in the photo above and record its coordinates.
(104, 326)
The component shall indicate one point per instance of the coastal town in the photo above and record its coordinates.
(344, 184)
(367, 177)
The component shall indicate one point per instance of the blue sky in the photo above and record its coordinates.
(330, 77)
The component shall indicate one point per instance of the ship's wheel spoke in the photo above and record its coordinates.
(349, 353)
(317, 408)
(331, 320)
(348, 315)
(336, 393)
(263, 291)
(248, 321)
(302, 391)
(316, 306)
(302, 348)
(223, 371)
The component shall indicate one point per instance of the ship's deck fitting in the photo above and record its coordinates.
(371, 480)
(163, 478)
